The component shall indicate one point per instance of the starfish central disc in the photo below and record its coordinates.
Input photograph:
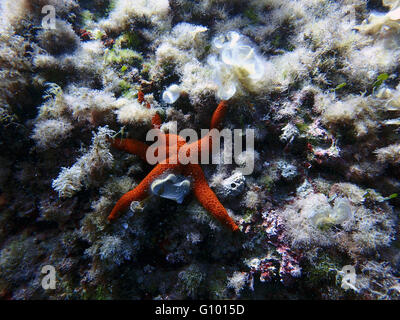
(170, 147)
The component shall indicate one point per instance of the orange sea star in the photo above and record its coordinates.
(200, 187)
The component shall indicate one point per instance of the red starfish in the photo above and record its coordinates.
(200, 187)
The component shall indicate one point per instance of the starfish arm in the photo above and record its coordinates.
(141, 191)
(219, 114)
(203, 145)
(206, 141)
(207, 197)
(132, 146)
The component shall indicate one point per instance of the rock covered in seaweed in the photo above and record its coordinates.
(320, 90)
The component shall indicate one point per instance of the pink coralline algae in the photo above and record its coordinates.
(289, 260)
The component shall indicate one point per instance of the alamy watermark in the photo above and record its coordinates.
(349, 278)
(165, 148)
(49, 20)
(49, 280)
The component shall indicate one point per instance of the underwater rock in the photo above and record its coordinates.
(233, 185)
(288, 171)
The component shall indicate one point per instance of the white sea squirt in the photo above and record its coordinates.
(171, 94)
(325, 215)
(236, 63)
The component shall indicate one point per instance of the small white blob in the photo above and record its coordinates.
(136, 206)
(171, 94)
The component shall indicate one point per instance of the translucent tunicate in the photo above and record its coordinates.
(171, 94)
(233, 38)
(236, 65)
(227, 56)
(320, 215)
(257, 69)
(341, 211)
(219, 41)
(243, 54)
(226, 92)
(225, 81)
